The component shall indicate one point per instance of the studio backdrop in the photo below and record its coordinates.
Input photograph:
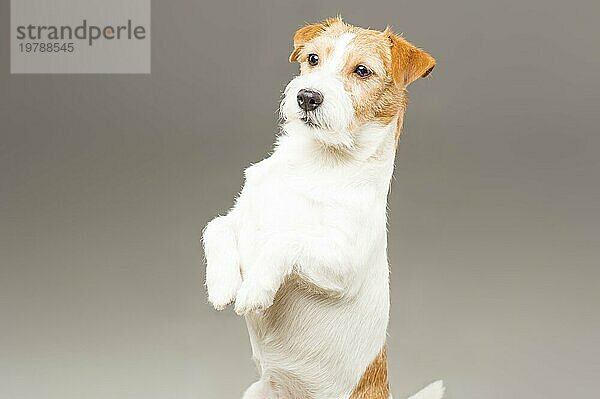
(107, 179)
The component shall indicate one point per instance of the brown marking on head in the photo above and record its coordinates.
(408, 61)
(374, 382)
(408, 64)
(308, 33)
(393, 63)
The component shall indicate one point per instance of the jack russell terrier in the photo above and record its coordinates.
(303, 253)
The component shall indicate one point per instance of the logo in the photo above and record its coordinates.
(80, 36)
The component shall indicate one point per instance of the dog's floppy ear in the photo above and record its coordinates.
(309, 32)
(408, 62)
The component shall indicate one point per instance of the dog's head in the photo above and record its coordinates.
(350, 77)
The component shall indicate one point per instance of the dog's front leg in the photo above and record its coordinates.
(330, 260)
(263, 277)
(223, 277)
(327, 258)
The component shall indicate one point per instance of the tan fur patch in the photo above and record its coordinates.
(408, 62)
(374, 382)
(308, 33)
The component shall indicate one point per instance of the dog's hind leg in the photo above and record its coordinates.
(259, 390)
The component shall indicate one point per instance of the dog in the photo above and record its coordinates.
(303, 252)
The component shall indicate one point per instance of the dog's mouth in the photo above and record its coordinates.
(308, 120)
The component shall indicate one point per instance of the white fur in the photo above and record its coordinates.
(222, 282)
(310, 226)
(434, 390)
(336, 113)
(336, 60)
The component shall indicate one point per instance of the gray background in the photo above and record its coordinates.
(106, 182)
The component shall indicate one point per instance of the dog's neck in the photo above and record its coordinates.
(371, 144)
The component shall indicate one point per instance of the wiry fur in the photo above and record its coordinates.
(303, 253)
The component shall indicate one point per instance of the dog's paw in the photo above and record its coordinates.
(223, 293)
(252, 297)
(223, 276)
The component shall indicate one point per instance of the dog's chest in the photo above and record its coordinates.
(280, 197)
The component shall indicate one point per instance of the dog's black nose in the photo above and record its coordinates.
(309, 100)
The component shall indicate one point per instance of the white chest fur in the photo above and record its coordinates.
(310, 240)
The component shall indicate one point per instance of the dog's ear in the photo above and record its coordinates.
(408, 62)
(308, 33)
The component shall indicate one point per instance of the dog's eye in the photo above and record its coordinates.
(362, 71)
(313, 59)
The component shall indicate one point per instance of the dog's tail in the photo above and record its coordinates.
(434, 390)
